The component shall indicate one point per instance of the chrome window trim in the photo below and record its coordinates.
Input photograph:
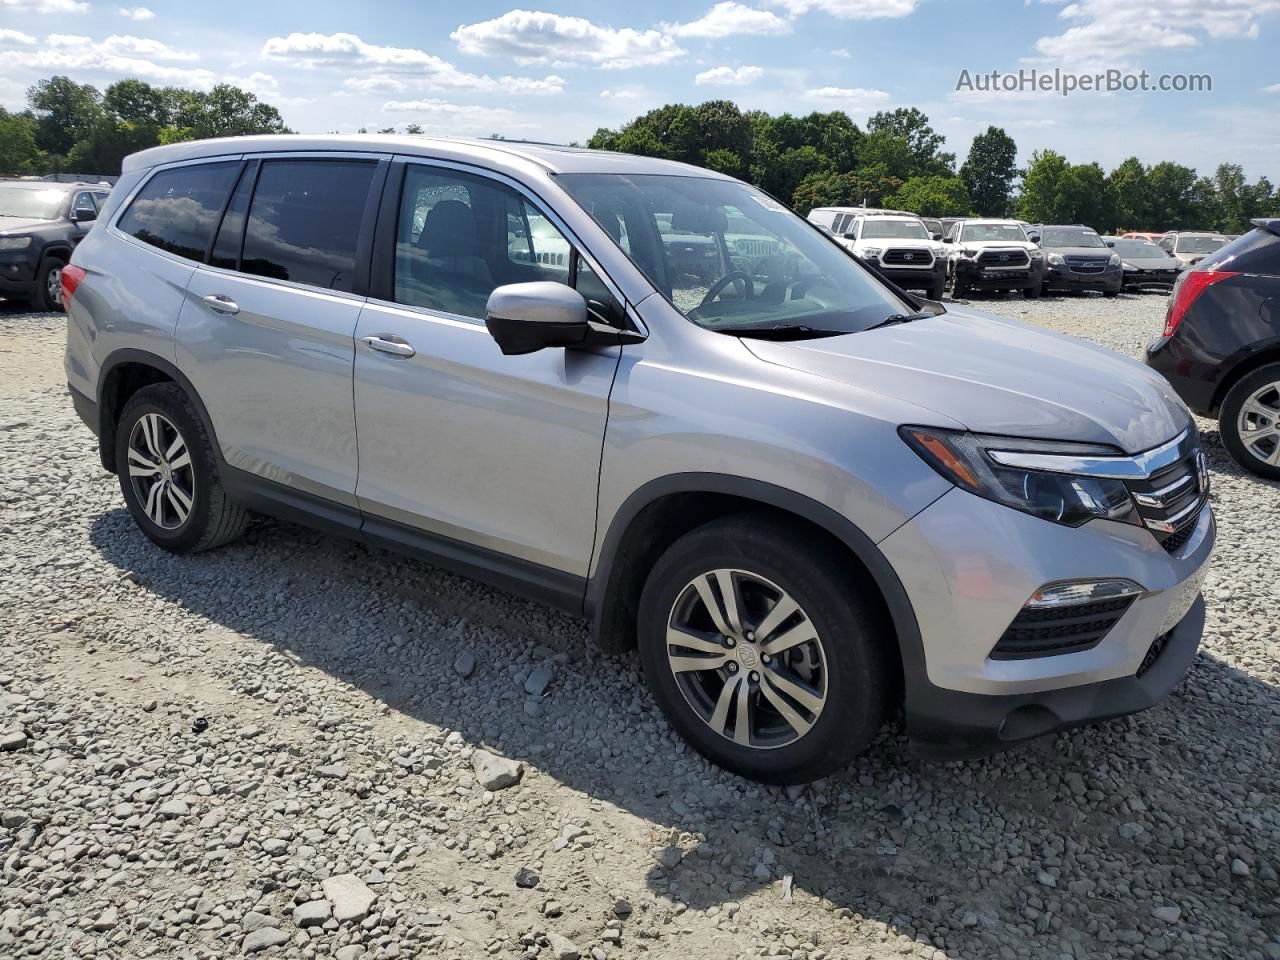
(1137, 467)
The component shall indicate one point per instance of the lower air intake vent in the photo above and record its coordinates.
(1044, 632)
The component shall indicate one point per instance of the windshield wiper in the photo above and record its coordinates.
(897, 318)
(781, 331)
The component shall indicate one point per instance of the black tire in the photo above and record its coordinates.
(1229, 418)
(937, 291)
(1110, 293)
(854, 646)
(213, 519)
(1032, 292)
(959, 291)
(50, 271)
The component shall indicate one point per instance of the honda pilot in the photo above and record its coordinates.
(805, 497)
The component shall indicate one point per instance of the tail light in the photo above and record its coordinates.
(71, 277)
(1187, 290)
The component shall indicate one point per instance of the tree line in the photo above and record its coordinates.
(898, 161)
(73, 127)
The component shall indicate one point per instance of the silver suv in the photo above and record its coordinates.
(655, 396)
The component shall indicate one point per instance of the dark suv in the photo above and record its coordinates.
(40, 224)
(1221, 345)
(1077, 259)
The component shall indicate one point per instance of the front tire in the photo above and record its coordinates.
(1249, 421)
(764, 656)
(169, 474)
(937, 291)
(1032, 292)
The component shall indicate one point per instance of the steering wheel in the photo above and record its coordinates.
(737, 276)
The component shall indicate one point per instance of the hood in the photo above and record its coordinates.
(998, 376)
(19, 224)
(997, 245)
(1151, 263)
(1103, 252)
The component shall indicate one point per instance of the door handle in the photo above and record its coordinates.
(221, 304)
(384, 344)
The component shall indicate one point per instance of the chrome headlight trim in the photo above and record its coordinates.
(1136, 467)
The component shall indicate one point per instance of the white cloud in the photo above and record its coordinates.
(1274, 88)
(531, 37)
(727, 19)
(728, 76)
(852, 9)
(622, 93)
(394, 69)
(44, 6)
(852, 95)
(842, 53)
(1108, 34)
(9, 38)
(116, 56)
(441, 116)
(136, 13)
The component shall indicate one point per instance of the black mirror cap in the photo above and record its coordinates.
(517, 337)
(83, 215)
(937, 237)
(526, 317)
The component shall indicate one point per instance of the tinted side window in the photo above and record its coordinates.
(226, 248)
(459, 236)
(1257, 251)
(305, 220)
(177, 209)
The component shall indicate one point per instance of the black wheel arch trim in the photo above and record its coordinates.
(1239, 365)
(601, 595)
(107, 415)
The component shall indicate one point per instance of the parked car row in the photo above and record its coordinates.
(40, 224)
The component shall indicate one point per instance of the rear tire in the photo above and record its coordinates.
(1253, 405)
(811, 704)
(1032, 292)
(169, 474)
(937, 291)
(959, 291)
(1110, 293)
(48, 292)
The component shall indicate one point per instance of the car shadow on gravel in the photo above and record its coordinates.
(1072, 839)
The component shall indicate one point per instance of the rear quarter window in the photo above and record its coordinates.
(177, 209)
(1257, 251)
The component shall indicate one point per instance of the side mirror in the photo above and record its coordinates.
(528, 317)
(83, 215)
(1111, 243)
(937, 237)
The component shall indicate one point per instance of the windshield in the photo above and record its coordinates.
(1200, 244)
(978, 232)
(730, 258)
(894, 229)
(30, 204)
(1138, 249)
(1069, 237)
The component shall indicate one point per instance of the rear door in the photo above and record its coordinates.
(266, 332)
(457, 441)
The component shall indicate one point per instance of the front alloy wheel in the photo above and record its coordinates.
(1249, 421)
(160, 471)
(747, 659)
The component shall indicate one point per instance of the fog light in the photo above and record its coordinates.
(1088, 591)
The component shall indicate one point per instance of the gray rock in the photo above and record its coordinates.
(14, 740)
(313, 913)
(107, 920)
(527, 877)
(535, 685)
(350, 898)
(562, 948)
(1168, 914)
(255, 921)
(332, 771)
(1239, 868)
(10, 819)
(465, 665)
(621, 909)
(174, 807)
(274, 846)
(494, 772)
(263, 938)
(350, 952)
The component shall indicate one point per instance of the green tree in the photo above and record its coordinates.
(989, 171)
(18, 151)
(1173, 196)
(1131, 192)
(923, 142)
(1043, 198)
(106, 144)
(1087, 198)
(65, 111)
(134, 101)
(932, 197)
(227, 111)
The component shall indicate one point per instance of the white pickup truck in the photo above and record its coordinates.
(894, 243)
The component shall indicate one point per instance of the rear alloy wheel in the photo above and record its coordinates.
(1250, 422)
(761, 653)
(169, 474)
(48, 294)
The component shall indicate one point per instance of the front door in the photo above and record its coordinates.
(456, 440)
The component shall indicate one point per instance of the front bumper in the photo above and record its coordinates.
(968, 565)
(977, 277)
(1150, 279)
(914, 278)
(17, 273)
(1062, 277)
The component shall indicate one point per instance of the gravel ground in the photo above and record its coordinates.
(300, 746)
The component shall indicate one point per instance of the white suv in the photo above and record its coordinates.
(993, 255)
(895, 244)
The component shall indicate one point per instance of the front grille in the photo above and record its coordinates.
(1153, 652)
(999, 259)
(752, 247)
(1170, 500)
(1087, 264)
(894, 257)
(1049, 631)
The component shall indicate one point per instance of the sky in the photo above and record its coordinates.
(558, 71)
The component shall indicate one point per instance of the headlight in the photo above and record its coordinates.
(1113, 260)
(1055, 259)
(964, 459)
(871, 251)
(1035, 255)
(968, 254)
(1128, 266)
(14, 243)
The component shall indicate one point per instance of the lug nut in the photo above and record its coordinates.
(755, 677)
(766, 658)
(733, 668)
(728, 641)
(751, 636)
